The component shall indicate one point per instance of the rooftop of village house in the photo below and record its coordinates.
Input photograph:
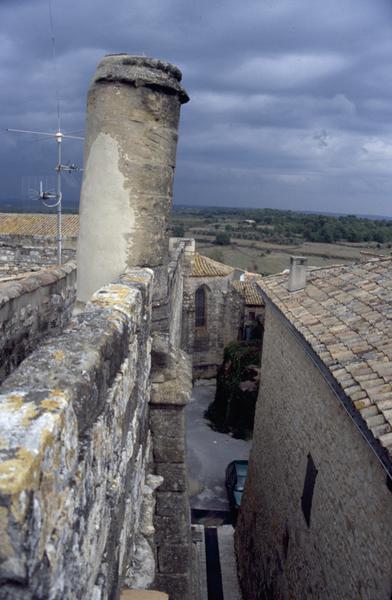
(207, 267)
(345, 315)
(250, 291)
(38, 224)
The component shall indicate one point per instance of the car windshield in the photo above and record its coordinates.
(242, 469)
(240, 483)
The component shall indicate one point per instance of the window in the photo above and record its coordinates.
(200, 307)
(252, 316)
(307, 495)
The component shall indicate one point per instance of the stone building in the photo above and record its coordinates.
(316, 518)
(212, 313)
(218, 308)
(93, 492)
(252, 322)
(27, 241)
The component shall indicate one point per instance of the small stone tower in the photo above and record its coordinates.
(130, 153)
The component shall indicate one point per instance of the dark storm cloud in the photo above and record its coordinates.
(290, 101)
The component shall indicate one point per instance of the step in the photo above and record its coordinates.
(142, 595)
(215, 565)
(228, 563)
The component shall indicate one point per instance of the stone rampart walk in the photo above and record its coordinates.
(215, 564)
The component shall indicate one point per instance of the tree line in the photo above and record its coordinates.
(290, 226)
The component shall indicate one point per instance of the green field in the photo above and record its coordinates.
(267, 258)
(266, 248)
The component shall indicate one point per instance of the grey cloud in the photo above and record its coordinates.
(290, 101)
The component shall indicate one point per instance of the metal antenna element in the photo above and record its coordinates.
(48, 198)
(54, 199)
(53, 39)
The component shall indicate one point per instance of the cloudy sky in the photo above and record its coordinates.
(291, 100)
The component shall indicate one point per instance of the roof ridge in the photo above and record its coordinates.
(204, 266)
(346, 319)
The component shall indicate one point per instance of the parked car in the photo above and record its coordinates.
(236, 473)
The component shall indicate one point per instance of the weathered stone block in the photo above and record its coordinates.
(169, 422)
(171, 530)
(174, 558)
(169, 450)
(169, 392)
(174, 477)
(171, 503)
(177, 586)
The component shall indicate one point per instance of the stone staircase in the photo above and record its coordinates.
(214, 567)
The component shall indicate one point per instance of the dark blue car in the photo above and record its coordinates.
(236, 473)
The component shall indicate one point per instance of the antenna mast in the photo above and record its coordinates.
(59, 136)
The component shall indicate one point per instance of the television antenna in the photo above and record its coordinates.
(53, 199)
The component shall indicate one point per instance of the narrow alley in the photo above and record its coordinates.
(208, 454)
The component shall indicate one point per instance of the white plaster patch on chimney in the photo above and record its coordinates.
(106, 218)
(297, 273)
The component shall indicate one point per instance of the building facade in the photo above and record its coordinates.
(316, 518)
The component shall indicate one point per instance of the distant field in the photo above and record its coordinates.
(267, 258)
(262, 240)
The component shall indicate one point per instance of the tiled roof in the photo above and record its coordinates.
(249, 291)
(345, 314)
(37, 224)
(206, 267)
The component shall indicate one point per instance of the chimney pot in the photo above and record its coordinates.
(297, 274)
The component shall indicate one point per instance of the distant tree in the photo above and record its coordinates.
(222, 239)
(178, 230)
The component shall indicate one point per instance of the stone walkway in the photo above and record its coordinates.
(208, 454)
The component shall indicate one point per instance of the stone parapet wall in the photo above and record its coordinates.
(171, 388)
(31, 308)
(31, 253)
(74, 453)
(168, 291)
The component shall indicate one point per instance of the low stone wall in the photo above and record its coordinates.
(31, 308)
(171, 388)
(168, 292)
(75, 493)
(31, 253)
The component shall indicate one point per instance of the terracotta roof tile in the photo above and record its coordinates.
(207, 267)
(345, 314)
(37, 224)
(250, 292)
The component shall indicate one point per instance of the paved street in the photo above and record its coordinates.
(209, 452)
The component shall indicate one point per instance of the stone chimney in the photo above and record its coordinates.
(297, 274)
(130, 153)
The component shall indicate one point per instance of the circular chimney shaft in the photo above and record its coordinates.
(130, 153)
